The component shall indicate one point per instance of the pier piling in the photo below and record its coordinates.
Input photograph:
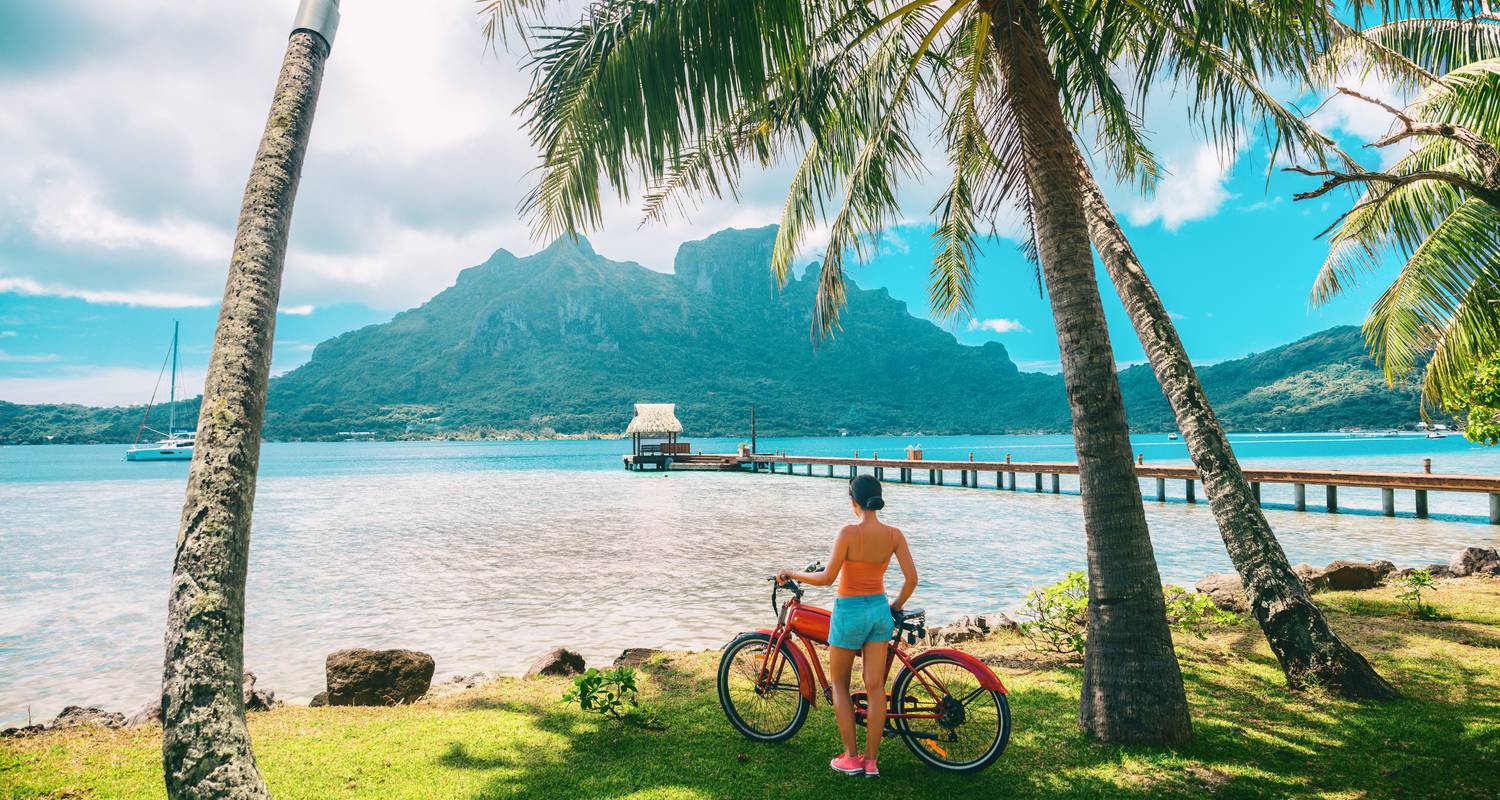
(1039, 483)
(1422, 504)
(1056, 483)
(1192, 493)
(1388, 503)
(1299, 496)
(1495, 509)
(1161, 490)
(1333, 499)
(1255, 492)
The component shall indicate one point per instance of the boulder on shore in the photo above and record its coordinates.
(1226, 591)
(1349, 576)
(1471, 560)
(996, 622)
(361, 677)
(318, 700)
(1312, 577)
(635, 656)
(457, 684)
(255, 699)
(145, 715)
(74, 716)
(557, 661)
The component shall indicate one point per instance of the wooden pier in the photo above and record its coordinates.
(1046, 477)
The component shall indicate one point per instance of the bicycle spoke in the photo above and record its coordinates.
(968, 717)
(767, 707)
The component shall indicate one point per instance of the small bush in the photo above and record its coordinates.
(1195, 613)
(612, 694)
(1057, 616)
(1410, 587)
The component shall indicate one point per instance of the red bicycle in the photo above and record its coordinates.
(946, 705)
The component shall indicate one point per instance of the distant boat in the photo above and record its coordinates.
(174, 445)
(1436, 435)
(1172, 436)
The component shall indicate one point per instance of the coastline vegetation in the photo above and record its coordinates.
(1253, 738)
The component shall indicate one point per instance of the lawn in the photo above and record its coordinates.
(512, 738)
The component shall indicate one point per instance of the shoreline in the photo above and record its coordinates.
(1222, 589)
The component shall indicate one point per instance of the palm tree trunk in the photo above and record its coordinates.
(1132, 685)
(206, 746)
(1297, 631)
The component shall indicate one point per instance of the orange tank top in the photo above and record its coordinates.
(859, 578)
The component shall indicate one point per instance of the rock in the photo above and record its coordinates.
(635, 656)
(1489, 568)
(996, 622)
(1470, 559)
(256, 699)
(1350, 576)
(1439, 570)
(1312, 577)
(74, 716)
(458, 683)
(557, 661)
(360, 677)
(1226, 591)
(963, 629)
(148, 714)
(318, 700)
(1385, 568)
(23, 731)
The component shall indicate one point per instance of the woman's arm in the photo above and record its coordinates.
(830, 571)
(908, 570)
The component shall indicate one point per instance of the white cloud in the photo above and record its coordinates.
(7, 334)
(998, 325)
(297, 311)
(27, 358)
(1175, 315)
(152, 299)
(1193, 189)
(96, 386)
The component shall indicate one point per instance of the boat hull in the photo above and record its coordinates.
(160, 454)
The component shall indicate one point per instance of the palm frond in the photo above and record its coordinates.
(1417, 311)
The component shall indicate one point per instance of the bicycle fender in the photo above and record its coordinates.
(987, 677)
(804, 670)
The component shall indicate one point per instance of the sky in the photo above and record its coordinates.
(128, 129)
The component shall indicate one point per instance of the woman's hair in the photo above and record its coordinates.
(866, 493)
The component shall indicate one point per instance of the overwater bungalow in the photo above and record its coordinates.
(653, 434)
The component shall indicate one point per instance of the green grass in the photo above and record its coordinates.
(1254, 738)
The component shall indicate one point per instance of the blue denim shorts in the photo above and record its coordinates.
(856, 620)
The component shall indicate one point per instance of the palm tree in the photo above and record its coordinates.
(657, 87)
(206, 749)
(1218, 50)
(1437, 208)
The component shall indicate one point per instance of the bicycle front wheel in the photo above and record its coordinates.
(960, 725)
(764, 706)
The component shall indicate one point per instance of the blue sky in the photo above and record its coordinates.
(128, 128)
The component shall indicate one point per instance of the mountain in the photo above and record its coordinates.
(564, 341)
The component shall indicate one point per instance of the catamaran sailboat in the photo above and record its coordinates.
(174, 445)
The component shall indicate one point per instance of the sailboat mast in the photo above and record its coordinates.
(172, 401)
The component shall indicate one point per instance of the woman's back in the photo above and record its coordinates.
(869, 548)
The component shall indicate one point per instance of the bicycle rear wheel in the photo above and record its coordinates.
(763, 707)
(969, 726)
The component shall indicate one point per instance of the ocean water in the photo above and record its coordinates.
(488, 554)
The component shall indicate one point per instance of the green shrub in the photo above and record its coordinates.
(1194, 612)
(613, 694)
(1411, 585)
(1057, 616)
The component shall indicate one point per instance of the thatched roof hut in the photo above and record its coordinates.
(654, 420)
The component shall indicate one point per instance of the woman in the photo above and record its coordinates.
(862, 617)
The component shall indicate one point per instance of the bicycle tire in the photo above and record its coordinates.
(727, 674)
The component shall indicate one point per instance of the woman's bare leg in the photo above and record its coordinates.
(875, 657)
(840, 666)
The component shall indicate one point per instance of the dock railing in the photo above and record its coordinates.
(1005, 472)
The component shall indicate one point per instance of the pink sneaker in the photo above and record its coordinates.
(847, 764)
(871, 771)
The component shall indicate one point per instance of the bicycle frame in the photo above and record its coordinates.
(807, 626)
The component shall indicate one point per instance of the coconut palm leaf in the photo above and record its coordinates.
(1429, 300)
(1412, 52)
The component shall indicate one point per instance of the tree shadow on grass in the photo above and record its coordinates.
(1253, 739)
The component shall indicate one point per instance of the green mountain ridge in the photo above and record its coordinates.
(564, 341)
